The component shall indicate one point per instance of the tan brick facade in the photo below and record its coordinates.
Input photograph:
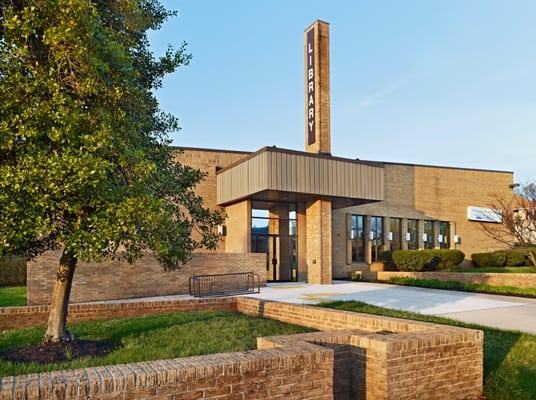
(411, 192)
(208, 161)
(354, 356)
(146, 277)
(318, 239)
(426, 192)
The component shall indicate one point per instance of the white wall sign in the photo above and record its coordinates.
(483, 214)
(390, 235)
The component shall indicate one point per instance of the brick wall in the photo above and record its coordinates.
(20, 317)
(391, 358)
(421, 192)
(208, 160)
(354, 356)
(303, 372)
(494, 279)
(120, 280)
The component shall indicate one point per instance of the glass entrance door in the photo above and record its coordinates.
(273, 232)
(281, 256)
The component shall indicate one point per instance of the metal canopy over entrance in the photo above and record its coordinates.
(274, 174)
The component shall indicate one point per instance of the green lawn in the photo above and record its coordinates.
(464, 287)
(153, 338)
(12, 296)
(509, 357)
(500, 270)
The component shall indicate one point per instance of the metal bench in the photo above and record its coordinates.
(224, 284)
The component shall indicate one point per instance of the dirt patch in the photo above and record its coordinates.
(58, 352)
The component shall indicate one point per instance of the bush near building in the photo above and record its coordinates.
(12, 271)
(427, 260)
(515, 257)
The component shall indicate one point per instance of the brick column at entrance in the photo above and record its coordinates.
(319, 249)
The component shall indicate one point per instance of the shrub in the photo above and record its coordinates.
(448, 259)
(415, 260)
(509, 258)
(12, 271)
(515, 258)
(427, 260)
(488, 260)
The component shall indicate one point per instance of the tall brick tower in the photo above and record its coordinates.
(317, 103)
(317, 140)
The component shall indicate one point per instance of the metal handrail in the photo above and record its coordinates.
(224, 284)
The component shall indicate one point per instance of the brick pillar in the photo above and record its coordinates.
(452, 233)
(437, 245)
(386, 228)
(319, 257)
(368, 242)
(404, 230)
(301, 221)
(420, 231)
(348, 239)
(238, 239)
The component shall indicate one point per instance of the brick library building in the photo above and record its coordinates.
(304, 215)
(318, 217)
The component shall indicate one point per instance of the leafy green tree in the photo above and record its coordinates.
(85, 161)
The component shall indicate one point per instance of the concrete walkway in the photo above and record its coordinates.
(503, 312)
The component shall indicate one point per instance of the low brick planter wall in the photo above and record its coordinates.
(353, 356)
(20, 317)
(146, 277)
(495, 279)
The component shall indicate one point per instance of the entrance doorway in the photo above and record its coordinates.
(273, 232)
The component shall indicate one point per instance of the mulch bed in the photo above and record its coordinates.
(58, 352)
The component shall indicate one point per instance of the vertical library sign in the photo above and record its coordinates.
(310, 74)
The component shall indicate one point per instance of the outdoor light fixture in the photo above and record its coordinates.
(390, 236)
(222, 230)
(424, 237)
(371, 235)
(353, 235)
(440, 238)
(456, 239)
(408, 236)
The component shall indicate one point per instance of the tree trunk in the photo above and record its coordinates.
(59, 303)
(532, 258)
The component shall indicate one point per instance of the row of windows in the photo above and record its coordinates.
(396, 236)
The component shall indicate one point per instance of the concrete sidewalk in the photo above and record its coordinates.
(503, 312)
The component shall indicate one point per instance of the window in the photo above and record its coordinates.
(429, 232)
(444, 235)
(357, 238)
(395, 227)
(413, 231)
(376, 229)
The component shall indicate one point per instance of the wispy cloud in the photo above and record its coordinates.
(377, 97)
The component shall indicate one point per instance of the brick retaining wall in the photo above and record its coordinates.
(120, 280)
(20, 317)
(354, 356)
(494, 279)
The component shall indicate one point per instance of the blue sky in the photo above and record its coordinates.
(432, 82)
